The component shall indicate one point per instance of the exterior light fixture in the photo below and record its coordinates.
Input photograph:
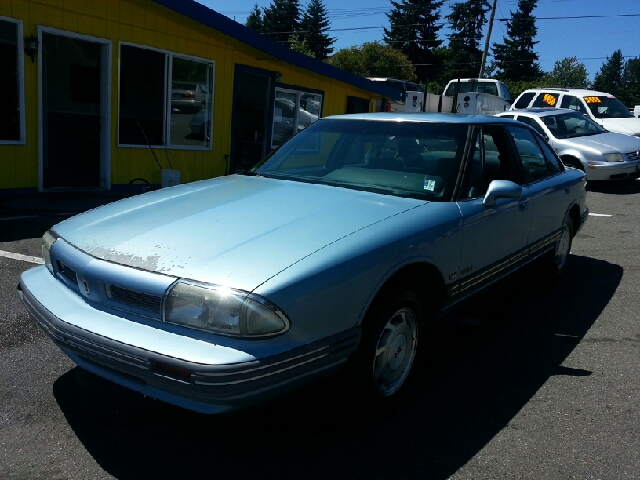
(31, 46)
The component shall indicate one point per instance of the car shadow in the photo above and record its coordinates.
(623, 187)
(480, 367)
(25, 228)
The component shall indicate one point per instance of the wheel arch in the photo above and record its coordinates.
(574, 213)
(422, 278)
(572, 160)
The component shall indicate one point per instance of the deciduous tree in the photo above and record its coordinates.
(567, 72)
(374, 59)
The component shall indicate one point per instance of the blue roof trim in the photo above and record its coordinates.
(217, 21)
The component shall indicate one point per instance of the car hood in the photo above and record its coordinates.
(627, 126)
(237, 231)
(606, 142)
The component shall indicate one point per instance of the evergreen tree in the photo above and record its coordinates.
(414, 31)
(515, 59)
(631, 82)
(467, 20)
(254, 20)
(313, 29)
(281, 19)
(609, 78)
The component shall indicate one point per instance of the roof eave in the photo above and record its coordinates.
(217, 21)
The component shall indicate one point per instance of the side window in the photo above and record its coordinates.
(574, 103)
(504, 91)
(524, 100)
(532, 123)
(491, 161)
(546, 100)
(534, 163)
(554, 164)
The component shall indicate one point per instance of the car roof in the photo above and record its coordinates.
(539, 112)
(573, 91)
(423, 117)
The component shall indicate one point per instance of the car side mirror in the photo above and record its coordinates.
(501, 189)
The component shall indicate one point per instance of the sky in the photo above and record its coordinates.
(590, 30)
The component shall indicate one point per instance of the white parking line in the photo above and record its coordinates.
(600, 215)
(24, 258)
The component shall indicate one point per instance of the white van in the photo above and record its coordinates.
(603, 108)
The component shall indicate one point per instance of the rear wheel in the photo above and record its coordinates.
(557, 259)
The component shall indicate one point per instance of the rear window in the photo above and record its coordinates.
(546, 100)
(524, 100)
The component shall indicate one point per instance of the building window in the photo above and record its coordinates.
(165, 99)
(293, 112)
(11, 68)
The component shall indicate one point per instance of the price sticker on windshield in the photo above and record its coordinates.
(549, 99)
(592, 99)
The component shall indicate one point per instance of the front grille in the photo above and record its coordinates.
(633, 156)
(134, 299)
(69, 273)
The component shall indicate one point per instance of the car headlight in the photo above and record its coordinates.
(223, 310)
(613, 157)
(48, 239)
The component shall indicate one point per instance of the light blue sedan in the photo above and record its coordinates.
(339, 248)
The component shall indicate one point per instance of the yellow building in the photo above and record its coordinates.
(105, 94)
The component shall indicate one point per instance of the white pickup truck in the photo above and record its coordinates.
(480, 96)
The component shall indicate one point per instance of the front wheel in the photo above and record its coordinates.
(389, 346)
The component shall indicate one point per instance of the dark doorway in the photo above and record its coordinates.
(251, 93)
(71, 100)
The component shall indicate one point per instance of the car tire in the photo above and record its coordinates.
(556, 260)
(389, 346)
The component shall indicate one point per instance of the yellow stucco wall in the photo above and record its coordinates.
(146, 23)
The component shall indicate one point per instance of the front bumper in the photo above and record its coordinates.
(613, 171)
(207, 377)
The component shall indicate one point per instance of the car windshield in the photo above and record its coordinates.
(607, 107)
(407, 159)
(571, 125)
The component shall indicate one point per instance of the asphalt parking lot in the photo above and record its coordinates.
(533, 380)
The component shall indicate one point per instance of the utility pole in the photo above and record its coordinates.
(486, 42)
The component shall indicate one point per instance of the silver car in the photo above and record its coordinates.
(582, 143)
(339, 249)
(188, 96)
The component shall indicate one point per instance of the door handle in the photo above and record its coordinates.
(523, 205)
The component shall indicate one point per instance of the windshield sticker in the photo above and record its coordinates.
(592, 99)
(549, 99)
(429, 185)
